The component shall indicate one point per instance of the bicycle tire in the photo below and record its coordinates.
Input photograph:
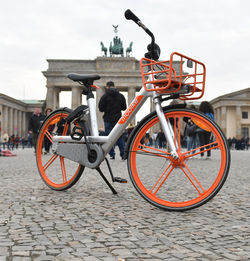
(158, 180)
(56, 171)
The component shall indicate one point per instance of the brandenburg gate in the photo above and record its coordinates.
(123, 71)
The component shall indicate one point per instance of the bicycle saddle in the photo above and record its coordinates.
(84, 78)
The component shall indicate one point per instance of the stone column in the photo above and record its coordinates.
(10, 122)
(19, 131)
(5, 117)
(1, 120)
(238, 122)
(218, 119)
(76, 97)
(50, 97)
(131, 96)
(15, 120)
(216, 115)
(56, 98)
(99, 94)
(24, 125)
(224, 120)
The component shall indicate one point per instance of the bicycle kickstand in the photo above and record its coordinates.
(106, 181)
(115, 179)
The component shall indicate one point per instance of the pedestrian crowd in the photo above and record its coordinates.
(112, 103)
(15, 141)
(238, 144)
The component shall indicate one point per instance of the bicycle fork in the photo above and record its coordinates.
(166, 127)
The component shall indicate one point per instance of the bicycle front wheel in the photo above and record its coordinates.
(57, 172)
(184, 183)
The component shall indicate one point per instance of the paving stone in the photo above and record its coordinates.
(17, 258)
(91, 258)
(22, 248)
(44, 258)
(87, 222)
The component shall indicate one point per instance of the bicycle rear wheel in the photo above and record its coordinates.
(57, 172)
(187, 182)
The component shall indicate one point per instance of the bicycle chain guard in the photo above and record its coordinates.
(79, 153)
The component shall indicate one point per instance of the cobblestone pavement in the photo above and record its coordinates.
(88, 222)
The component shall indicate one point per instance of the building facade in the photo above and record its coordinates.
(232, 113)
(15, 114)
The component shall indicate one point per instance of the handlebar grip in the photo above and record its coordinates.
(131, 16)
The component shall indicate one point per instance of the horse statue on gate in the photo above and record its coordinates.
(129, 49)
(116, 47)
(104, 49)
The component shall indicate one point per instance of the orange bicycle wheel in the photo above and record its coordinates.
(183, 183)
(56, 171)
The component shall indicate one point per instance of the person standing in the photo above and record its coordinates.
(35, 122)
(204, 136)
(5, 140)
(190, 133)
(112, 103)
(246, 142)
(47, 142)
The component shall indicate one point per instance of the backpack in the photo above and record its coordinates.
(210, 115)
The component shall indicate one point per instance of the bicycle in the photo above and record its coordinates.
(179, 182)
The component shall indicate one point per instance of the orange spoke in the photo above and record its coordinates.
(50, 161)
(211, 147)
(160, 177)
(194, 177)
(191, 179)
(65, 129)
(163, 179)
(179, 132)
(159, 154)
(63, 169)
(49, 136)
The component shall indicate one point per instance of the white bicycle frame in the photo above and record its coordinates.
(107, 142)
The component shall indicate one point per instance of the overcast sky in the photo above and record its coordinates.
(31, 31)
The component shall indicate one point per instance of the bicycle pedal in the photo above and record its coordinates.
(77, 133)
(120, 180)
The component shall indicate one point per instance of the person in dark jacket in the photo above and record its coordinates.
(112, 103)
(47, 142)
(204, 136)
(35, 122)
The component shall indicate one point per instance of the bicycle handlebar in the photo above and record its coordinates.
(131, 16)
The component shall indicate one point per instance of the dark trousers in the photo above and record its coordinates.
(6, 144)
(34, 139)
(204, 138)
(47, 144)
(120, 142)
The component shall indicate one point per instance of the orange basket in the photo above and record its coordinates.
(174, 76)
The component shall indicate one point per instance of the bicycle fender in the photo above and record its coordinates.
(66, 109)
(141, 123)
